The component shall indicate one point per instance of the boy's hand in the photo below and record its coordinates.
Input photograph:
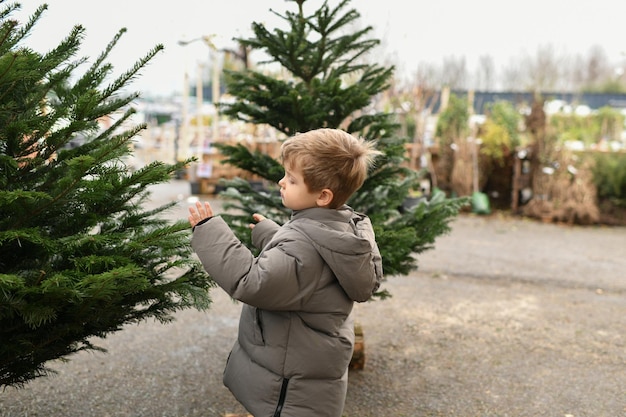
(199, 212)
(257, 218)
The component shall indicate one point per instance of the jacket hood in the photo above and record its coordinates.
(345, 240)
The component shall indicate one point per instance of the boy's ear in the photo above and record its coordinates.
(325, 198)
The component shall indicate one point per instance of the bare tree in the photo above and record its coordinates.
(577, 73)
(597, 66)
(544, 70)
(485, 73)
(512, 76)
(454, 73)
(594, 69)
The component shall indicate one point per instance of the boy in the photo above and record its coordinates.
(296, 333)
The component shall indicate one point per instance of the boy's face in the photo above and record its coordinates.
(294, 192)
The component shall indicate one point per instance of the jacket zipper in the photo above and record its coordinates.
(281, 398)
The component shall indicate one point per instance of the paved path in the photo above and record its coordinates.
(521, 249)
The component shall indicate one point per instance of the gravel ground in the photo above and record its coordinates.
(505, 317)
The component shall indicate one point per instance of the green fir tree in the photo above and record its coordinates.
(80, 256)
(326, 81)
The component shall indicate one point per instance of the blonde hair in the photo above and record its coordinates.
(330, 158)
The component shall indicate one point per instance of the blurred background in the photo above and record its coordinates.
(487, 52)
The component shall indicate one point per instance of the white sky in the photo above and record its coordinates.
(411, 31)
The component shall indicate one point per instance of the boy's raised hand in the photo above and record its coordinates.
(199, 212)
(257, 218)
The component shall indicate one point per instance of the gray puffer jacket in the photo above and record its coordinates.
(296, 334)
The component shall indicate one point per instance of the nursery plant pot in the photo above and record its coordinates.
(195, 188)
(480, 203)
(411, 202)
(358, 356)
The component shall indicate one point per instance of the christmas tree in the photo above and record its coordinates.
(79, 255)
(326, 81)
